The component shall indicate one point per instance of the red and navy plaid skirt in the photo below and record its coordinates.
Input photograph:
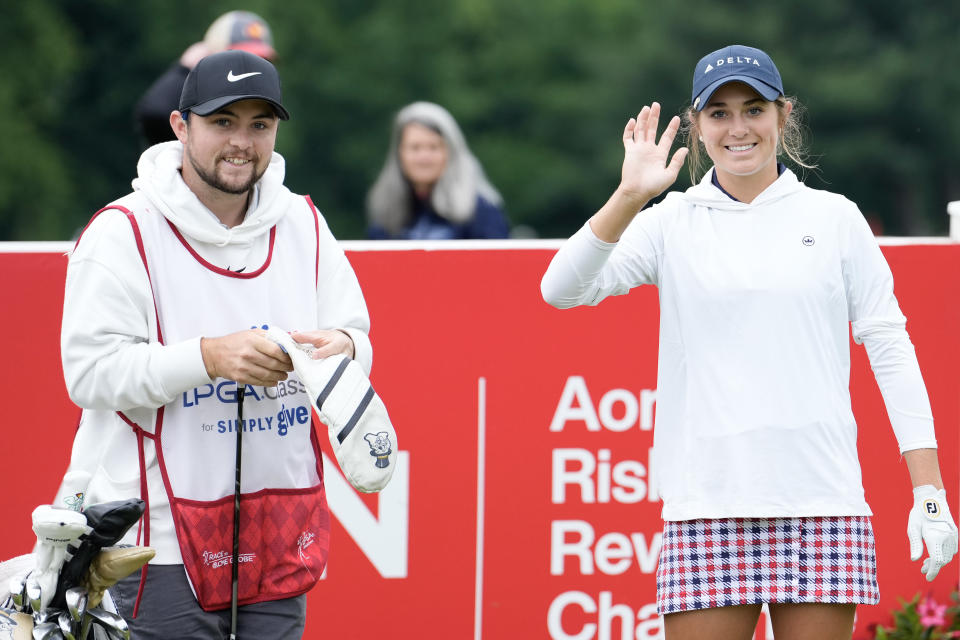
(733, 561)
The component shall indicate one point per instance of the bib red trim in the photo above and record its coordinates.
(145, 496)
(227, 272)
(316, 228)
(143, 255)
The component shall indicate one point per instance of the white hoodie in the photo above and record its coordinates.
(111, 357)
(753, 404)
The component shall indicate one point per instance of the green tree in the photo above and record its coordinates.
(541, 88)
(40, 54)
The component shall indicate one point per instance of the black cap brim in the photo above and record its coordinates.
(212, 106)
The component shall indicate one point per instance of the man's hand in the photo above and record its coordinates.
(247, 357)
(930, 523)
(327, 342)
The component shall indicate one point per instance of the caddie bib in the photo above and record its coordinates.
(284, 520)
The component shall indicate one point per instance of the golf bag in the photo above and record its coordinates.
(59, 592)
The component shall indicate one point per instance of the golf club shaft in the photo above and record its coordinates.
(234, 597)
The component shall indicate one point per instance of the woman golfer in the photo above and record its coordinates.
(755, 440)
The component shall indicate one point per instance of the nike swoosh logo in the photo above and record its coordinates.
(233, 78)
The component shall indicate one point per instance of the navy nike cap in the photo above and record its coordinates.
(227, 77)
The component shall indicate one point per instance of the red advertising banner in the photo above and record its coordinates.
(522, 504)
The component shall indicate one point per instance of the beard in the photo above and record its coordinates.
(215, 181)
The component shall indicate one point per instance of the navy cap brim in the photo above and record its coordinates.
(212, 106)
(761, 87)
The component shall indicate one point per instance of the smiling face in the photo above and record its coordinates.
(228, 151)
(740, 130)
(423, 156)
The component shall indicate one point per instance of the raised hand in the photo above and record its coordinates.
(648, 170)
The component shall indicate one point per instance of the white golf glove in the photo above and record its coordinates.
(930, 523)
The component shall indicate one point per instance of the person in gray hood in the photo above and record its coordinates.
(168, 292)
(760, 278)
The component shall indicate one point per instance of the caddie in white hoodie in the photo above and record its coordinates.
(760, 278)
(167, 292)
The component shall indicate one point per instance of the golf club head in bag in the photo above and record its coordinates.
(76, 599)
(363, 439)
(78, 621)
(47, 631)
(113, 624)
(65, 622)
(34, 592)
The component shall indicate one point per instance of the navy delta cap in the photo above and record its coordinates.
(736, 63)
(230, 76)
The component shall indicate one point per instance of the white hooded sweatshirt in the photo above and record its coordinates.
(753, 403)
(112, 359)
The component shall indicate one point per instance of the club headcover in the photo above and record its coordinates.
(111, 565)
(109, 522)
(56, 529)
(363, 439)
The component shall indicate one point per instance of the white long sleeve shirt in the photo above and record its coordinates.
(753, 403)
(112, 359)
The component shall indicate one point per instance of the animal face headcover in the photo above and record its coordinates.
(363, 439)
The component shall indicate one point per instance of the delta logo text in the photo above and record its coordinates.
(732, 60)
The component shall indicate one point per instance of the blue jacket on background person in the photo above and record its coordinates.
(488, 221)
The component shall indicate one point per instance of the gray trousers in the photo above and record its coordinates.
(168, 609)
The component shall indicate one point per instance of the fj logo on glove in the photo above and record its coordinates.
(932, 508)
